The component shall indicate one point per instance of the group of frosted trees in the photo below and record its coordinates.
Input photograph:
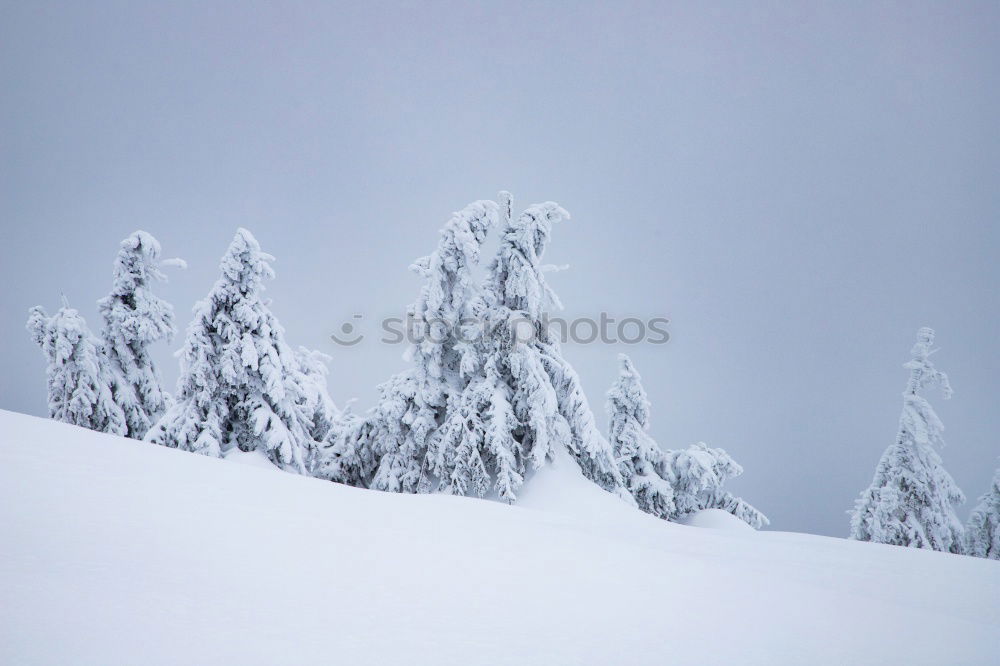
(912, 499)
(110, 383)
(488, 399)
(241, 386)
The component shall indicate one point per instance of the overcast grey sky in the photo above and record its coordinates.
(797, 186)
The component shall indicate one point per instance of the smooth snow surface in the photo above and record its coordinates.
(116, 551)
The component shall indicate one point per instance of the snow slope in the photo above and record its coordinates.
(119, 552)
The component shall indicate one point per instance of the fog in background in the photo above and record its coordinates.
(797, 186)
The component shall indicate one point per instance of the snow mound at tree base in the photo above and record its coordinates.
(120, 552)
(715, 519)
(560, 488)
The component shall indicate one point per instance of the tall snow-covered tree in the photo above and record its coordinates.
(134, 318)
(640, 461)
(983, 530)
(698, 474)
(240, 383)
(520, 400)
(912, 498)
(388, 448)
(80, 379)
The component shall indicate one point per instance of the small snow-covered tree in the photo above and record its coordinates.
(240, 384)
(134, 318)
(347, 454)
(521, 400)
(668, 484)
(80, 380)
(983, 530)
(698, 474)
(640, 461)
(311, 395)
(388, 448)
(912, 498)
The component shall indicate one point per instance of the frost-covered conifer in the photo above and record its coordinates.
(489, 396)
(698, 473)
(240, 384)
(640, 461)
(911, 499)
(315, 397)
(521, 400)
(311, 394)
(983, 531)
(347, 454)
(388, 449)
(668, 484)
(80, 379)
(135, 318)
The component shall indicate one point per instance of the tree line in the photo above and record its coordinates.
(476, 412)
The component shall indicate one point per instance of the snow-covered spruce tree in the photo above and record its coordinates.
(315, 398)
(521, 401)
(698, 473)
(387, 448)
(640, 461)
(668, 484)
(134, 318)
(911, 499)
(347, 454)
(983, 531)
(80, 379)
(241, 386)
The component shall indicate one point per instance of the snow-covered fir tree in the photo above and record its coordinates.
(347, 454)
(134, 318)
(313, 397)
(489, 396)
(983, 530)
(387, 448)
(912, 499)
(668, 484)
(521, 401)
(80, 379)
(640, 461)
(698, 474)
(241, 386)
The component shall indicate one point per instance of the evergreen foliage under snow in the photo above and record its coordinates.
(134, 318)
(668, 484)
(388, 448)
(521, 399)
(983, 530)
(640, 459)
(698, 474)
(80, 380)
(489, 396)
(241, 386)
(912, 498)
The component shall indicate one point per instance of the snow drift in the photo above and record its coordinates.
(116, 551)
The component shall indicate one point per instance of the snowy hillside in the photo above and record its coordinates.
(120, 552)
